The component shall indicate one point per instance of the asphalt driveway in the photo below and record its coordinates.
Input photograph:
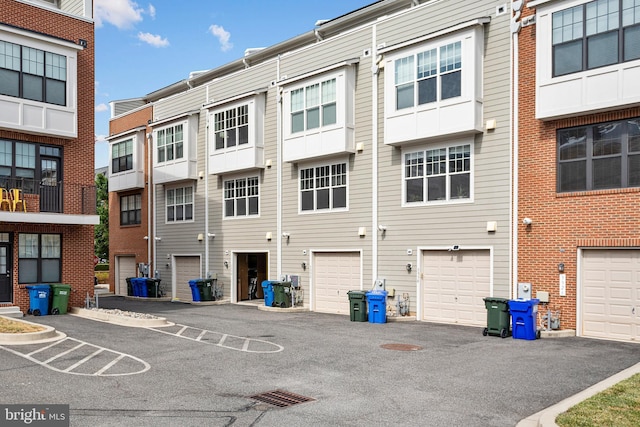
(457, 377)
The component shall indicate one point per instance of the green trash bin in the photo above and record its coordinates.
(497, 317)
(204, 286)
(60, 298)
(281, 294)
(358, 306)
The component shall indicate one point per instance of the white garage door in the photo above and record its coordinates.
(126, 266)
(611, 294)
(187, 268)
(454, 285)
(334, 275)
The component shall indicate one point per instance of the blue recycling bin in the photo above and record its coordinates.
(267, 290)
(377, 302)
(136, 286)
(38, 299)
(195, 290)
(524, 315)
(143, 290)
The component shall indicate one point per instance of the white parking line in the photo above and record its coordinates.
(230, 342)
(119, 363)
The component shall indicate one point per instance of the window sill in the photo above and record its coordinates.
(598, 192)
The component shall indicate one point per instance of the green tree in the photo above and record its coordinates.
(102, 208)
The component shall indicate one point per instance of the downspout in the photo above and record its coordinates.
(515, 30)
(374, 153)
(278, 170)
(152, 266)
(206, 190)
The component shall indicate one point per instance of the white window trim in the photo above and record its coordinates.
(193, 203)
(465, 141)
(243, 217)
(321, 164)
(185, 142)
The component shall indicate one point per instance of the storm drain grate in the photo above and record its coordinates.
(281, 398)
(401, 347)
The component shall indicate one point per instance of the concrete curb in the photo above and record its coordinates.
(48, 334)
(547, 417)
(119, 320)
(283, 310)
(218, 302)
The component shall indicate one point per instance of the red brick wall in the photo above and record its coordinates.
(129, 240)
(78, 161)
(562, 223)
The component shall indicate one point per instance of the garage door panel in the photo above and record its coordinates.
(126, 268)
(187, 268)
(335, 274)
(453, 286)
(610, 290)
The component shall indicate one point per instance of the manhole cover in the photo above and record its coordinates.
(281, 398)
(401, 347)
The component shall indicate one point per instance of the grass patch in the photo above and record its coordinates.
(8, 326)
(617, 406)
(103, 276)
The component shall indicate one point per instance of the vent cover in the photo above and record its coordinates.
(281, 398)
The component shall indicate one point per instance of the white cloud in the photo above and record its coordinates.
(101, 107)
(120, 13)
(152, 11)
(153, 40)
(223, 37)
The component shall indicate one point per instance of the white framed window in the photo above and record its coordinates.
(231, 127)
(179, 203)
(437, 174)
(241, 197)
(122, 156)
(313, 106)
(430, 75)
(323, 188)
(170, 143)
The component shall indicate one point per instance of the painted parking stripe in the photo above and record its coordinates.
(116, 363)
(230, 342)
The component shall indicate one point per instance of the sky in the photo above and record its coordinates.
(144, 46)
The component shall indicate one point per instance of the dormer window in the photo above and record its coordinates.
(170, 142)
(313, 106)
(231, 127)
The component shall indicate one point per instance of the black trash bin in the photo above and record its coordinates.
(358, 306)
(153, 287)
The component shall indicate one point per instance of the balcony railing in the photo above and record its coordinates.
(54, 196)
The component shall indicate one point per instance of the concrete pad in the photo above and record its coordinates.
(119, 320)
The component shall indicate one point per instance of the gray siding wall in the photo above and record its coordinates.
(73, 7)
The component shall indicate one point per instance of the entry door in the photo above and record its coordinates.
(6, 288)
(49, 185)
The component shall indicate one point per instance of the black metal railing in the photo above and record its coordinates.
(54, 196)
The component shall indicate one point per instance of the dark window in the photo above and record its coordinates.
(600, 156)
(323, 187)
(122, 156)
(32, 74)
(231, 127)
(39, 258)
(21, 165)
(241, 197)
(595, 34)
(131, 209)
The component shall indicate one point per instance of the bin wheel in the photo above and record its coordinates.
(538, 334)
(29, 311)
(36, 312)
(283, 305)
(55, 310)
(485, 332)
(503, 333)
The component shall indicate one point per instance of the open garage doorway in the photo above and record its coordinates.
(251, 271)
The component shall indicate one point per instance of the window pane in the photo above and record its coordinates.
(313, 118)
(573, 176)
(171, 213)
(322, 199)
(188, 212)
(9, 82)
(229, 205)
(32, 87)
(297, 122)
(460, 186)
(241, 205)
(414, 190)
(297, 100)
(404, 70)
(573, 144)
(567, 58)
(633, 128)
(56, 92)
(340, 197)
(607, 139)
(232, 137)
(602, 49)
(632, 41)
(329, 114)
(28, 246)
(404, 96)
(307, 200)
(606, 173)
(50, 246)
(253, 206)
(427, 91)
(437, 188)
(27, 270)
(243, 135)
(180, 213)
(634, 171)
(51, 270)
(451, 85)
